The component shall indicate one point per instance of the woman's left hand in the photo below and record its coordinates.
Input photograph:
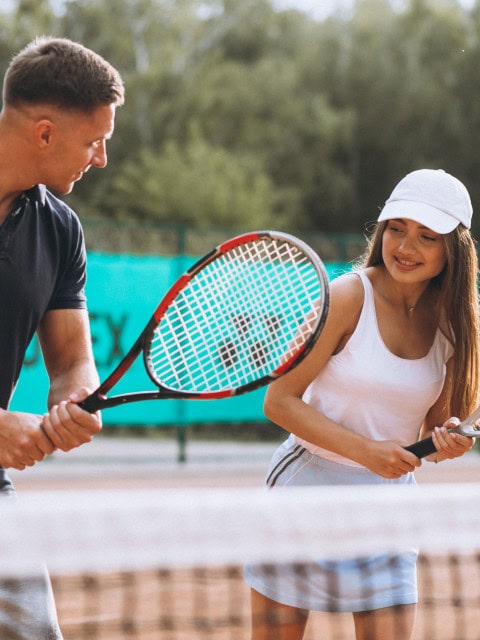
(449, 444)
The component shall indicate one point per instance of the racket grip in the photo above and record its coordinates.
(90, 404)
(422, 448)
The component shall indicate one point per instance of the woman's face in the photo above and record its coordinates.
(412, 252)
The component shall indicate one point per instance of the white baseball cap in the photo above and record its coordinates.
(432, 198)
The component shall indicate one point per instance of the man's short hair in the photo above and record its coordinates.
(62, 73)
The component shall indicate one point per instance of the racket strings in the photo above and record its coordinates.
(238, 319)
(227, 350)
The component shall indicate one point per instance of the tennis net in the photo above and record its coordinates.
(169, 564)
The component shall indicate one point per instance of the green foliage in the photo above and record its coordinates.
(196, 186)
(236, 113)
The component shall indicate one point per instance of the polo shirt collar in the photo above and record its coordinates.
(37, 194)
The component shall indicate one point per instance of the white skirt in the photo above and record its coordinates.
(360, 584)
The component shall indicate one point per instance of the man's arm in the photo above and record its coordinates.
(64, 336)
(22, 440)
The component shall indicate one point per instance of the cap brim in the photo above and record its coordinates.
(424, 214)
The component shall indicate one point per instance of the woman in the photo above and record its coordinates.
(398, 356)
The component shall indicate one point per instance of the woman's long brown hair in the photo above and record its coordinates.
(458, 304)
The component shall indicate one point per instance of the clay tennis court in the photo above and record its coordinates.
(129, 462)
(159, 605)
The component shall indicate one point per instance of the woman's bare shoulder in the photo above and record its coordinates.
(347, 289)
(346, 302)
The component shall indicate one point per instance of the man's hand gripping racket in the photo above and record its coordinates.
(243, 315)
(470, 427)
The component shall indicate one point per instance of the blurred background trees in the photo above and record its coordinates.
(243, 115)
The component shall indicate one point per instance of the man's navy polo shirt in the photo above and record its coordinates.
(42, 267)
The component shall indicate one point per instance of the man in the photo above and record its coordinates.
(59, 104)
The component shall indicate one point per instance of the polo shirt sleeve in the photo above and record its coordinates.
(69, 291)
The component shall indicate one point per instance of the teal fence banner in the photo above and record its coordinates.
(123, 292)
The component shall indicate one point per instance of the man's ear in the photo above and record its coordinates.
(43, 131)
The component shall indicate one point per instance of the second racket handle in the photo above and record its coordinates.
(425, 447)
(422, 448)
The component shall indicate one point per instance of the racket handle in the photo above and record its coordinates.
(425, 447)
(91, 404)
(422, 448)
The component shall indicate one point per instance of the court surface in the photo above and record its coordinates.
(115, 462)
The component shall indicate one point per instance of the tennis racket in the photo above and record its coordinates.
(470, 427)
(240, 317)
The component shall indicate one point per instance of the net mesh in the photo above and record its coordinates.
(169, 564)
(239, 318)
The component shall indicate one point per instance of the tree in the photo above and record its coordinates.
(197, 185)
(318, 120)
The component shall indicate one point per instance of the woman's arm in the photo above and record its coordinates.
(284, 404)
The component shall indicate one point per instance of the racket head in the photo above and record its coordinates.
(469, 430)
(470, 427)
(243, 315)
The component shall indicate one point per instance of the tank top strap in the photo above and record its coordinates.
(364, 323)
(367, 287)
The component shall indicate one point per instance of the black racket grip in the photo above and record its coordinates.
(422, 448)
(91, 403)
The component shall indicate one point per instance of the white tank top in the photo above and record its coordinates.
(373, 392)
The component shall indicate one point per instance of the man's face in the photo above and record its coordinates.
(77, 142)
